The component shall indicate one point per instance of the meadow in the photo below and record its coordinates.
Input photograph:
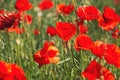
(60, 39)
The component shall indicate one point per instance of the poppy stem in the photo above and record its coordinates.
(102, 64)
(65, 51)
(75, 6)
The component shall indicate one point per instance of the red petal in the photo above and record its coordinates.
(92, 72)
(65, 30)
(45, 4)
(83, 41)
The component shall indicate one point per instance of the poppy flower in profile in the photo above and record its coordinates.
(83, 41)
(10, 71)
(46, 55)
(88, 12)
(51, 31)
(7, 19)
(109, 19)
(65, 9)
(36, 32)
(23, 5)
(116, 33)
(65, 30)
(28, 18)
(83, 29)
(45, 4)
(98, 48)
(94, 71)
(15, 28)
(112, 55)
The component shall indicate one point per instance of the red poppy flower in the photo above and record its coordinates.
(51, 31)
(28, 18)
(46, 4)
(83, 41)
(119, 19)
(116, 34)
(41, 60)
(17, 72)
(65, 9)
(65, 30)
(19, 15)
(1, 11)
(47, 54)
(107, 74)
(4, 69)
(112, 55)
(98, 48)
(15, 28)
(92, 72)
(109, 19)
(80, 22)
(60, 7)
(81, 12)
(88, 12)
(83, 29)
(23, 5)
(6, 20)
(110, 14)
(107, 24)
(11, 72)
(117, 2)
(36, 32)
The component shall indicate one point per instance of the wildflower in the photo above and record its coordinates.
(28, 18)
(15, 28)
(109, 19)
(36, 32)
(6, 19)
(10, 71)
(45, 4)
(80, 22)
(95, 71)
(2, 11)
(92, 72)
(110, 52)
(83, 29)
(65, 30)
(116, 34)
(46, 55)
(51, 31)
(107, 74)
(23, 5)
(119, 19)
(88, 12)
(83, 41)
(65, 9)
(116, 2)
(18, 42)
(18, 73)
(112, 55)
(98, 48)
